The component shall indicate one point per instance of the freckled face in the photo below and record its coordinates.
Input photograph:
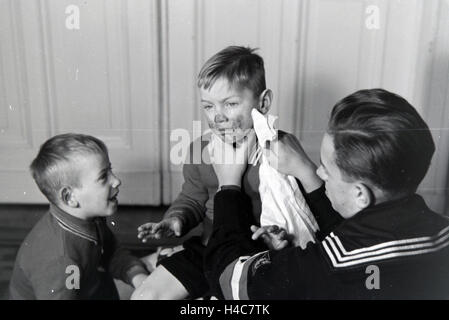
(228, 110)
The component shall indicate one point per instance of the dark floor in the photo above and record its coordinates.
(17, 220)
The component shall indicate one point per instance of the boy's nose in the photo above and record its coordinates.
(219, 118)
(116, 183)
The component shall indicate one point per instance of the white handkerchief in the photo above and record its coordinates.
(283, 204)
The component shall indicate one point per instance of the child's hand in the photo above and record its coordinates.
(137, 280)
(274, 237)
(229, 161)
(168, 227)
(288, 157)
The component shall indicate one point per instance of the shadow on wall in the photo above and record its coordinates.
(319, 96)
(436, 100)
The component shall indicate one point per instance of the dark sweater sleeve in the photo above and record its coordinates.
(239, 268)
(120, 262)
(189, 206)
(327, 218)
(51, 282)
(231, 235)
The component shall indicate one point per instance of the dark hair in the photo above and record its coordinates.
(379, 137)
(239, 65)
(53, 166)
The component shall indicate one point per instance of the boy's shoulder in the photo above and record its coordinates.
(43, 242)
(49, 242)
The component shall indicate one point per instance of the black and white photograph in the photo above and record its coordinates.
(204, 150)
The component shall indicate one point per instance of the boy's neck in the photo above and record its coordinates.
(75, 212)
(384, 197)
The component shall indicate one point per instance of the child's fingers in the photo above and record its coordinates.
(159, 227)
(152, 232)
(266, 238)
(273, 229)
(177, 231)
(282, 234)
(149, 233)
(141, 234)
(145, 226)
(155, 235)
(258, 233)
(146, 237)
(158, 235)
(176, 227)
(283, 244)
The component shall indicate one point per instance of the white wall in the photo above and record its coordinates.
(128, 75)
(102, 79)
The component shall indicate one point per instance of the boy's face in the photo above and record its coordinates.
(342, 194)
(99, 187)
(228, 110)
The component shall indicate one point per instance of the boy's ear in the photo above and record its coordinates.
(265, 99)
(68, 198)
(363, 196)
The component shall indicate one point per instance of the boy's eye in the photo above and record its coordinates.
(104, 177)
(231, 104)
(207, 107)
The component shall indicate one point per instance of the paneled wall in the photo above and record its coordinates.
(101, 79)
(128, 75)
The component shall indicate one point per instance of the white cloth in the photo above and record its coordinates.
(283, 204)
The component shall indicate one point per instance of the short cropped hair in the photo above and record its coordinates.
(379, 137)
(53, 167)
(240, 66)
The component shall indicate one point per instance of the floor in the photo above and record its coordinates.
(17, 220)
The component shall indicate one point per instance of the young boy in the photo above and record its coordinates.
(379, 240)
(71, 253)
(231, 83)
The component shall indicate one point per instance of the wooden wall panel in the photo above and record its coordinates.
(101, 79)
(128, 76)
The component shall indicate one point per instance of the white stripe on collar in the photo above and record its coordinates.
(76, 232)
(340, 257)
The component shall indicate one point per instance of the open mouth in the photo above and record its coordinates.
(226, 131)
(114, 197)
